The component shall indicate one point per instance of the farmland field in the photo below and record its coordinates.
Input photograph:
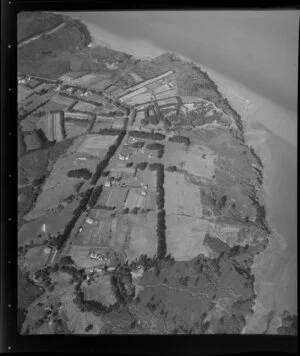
(198, 160)
(101, 119)
(139, 99)
(117, 198)
(32, 141)
(100, 126)
(35, 100)
(190, 99)
(23, 93)
(168, 101)
(99, 290)
(90, 79)
(131, 200)
(184, 237)
(151, 201)
(103, 197)
(55, 224)
(181, 197)
(35, 258)
(51, 197)
(80, 255)
(143, 239)
(59, 102)
(86, 107)
(96, 145)
(75, 128)
(166, 94)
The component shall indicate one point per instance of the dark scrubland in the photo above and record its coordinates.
(63, 51)
(178, 297)
(147, 135)
(82, 173)
(289, 324)
(149, 69)
(33, 23)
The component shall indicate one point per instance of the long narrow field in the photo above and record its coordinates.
(181, 197)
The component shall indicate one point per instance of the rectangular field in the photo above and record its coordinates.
(101, 126)
(117, 198)
(32, 141)
(168, 101)
(90, 79)
(185, 236)
(86, 107)
(62, 100)
(151, 201)
(96, 145)
(167, 94)
(103, 197)
(141, 85)
(131, 200)
(139, 99)
(75, 129)
(181, 197)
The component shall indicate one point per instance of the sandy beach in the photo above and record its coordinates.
(275, 140)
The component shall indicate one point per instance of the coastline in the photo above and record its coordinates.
(251, 107)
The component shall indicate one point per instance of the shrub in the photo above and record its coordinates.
(138, 144)
(148, 135)
(171, 169)
(142, 166)
(160, 153)
(82, 173)
(155, 146)
(180, 139)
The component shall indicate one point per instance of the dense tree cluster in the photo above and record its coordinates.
(138, 144)
(180, 139)
(110, 132)
(161, 234)
(81, 173)
(95, 196)
(147, 135)
(155, 146)
(142, 165)
(171, 169)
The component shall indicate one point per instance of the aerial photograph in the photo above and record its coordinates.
(157, 172)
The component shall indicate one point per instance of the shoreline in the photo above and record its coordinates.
(248, 109)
